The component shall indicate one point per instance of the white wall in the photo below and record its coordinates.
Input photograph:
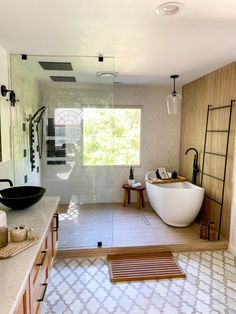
(6, 166)
(14, 166)
(160, 137)
(27, 91)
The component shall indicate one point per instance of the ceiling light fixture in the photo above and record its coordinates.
(174, 100)
(106, 74)
(169, 8)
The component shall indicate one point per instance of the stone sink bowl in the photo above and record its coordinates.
(20, 197)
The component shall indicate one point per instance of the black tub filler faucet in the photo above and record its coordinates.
(195, 164)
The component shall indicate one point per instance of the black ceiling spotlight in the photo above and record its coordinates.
(12, 95)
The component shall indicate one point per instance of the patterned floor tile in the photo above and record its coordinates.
(82, 286)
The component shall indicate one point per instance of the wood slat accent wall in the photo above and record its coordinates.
(216, 88)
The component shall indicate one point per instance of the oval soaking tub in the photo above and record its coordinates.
(178, 204)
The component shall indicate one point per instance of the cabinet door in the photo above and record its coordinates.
(23, 306)
(50, 244)
(52, 239)
(38, 293)
(55, 227)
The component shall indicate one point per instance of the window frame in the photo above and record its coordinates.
(112, 107)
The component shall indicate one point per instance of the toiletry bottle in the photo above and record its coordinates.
(174, 175)
(211, 231)
(203, 231)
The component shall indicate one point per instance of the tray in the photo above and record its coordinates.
(14, 248)
(159, 181)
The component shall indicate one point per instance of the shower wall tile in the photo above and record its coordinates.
(4, 109)
(160, 132)
(160, 137)
(26, 89)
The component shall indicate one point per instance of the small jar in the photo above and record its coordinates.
(3, 236)
(18, 234)
(131, 181)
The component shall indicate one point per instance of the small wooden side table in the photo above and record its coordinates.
(126, 195)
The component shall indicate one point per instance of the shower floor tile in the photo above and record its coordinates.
(83, 226)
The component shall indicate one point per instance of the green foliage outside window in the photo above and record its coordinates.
(111, 136)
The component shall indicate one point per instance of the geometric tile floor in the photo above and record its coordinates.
(82, 286)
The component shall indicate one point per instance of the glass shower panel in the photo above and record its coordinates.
(66, 87)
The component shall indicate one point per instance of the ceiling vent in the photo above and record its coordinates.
(63, 78)
(56, 66)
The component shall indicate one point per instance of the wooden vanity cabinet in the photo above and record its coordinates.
(54, 228)
(33, 296)
(24, 306)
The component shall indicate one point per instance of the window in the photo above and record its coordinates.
(111, 136)
(64, 134)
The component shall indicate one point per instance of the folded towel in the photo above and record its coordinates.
(136, 185)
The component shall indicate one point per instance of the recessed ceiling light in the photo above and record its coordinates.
(106, 74)
(169, 8)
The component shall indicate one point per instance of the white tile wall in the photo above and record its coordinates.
(6, 166)
(4, 107)
(160, 136)
(26, 89)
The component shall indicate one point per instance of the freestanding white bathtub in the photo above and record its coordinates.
(178, 204)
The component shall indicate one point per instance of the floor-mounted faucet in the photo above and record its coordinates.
(195, 164)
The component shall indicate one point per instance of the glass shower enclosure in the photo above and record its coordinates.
(76, 162)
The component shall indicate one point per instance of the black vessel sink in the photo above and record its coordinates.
(20, 197)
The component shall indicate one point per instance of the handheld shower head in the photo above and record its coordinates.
(39, 111)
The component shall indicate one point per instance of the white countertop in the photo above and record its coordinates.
(15, 270)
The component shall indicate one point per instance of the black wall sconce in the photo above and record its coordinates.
(12, 95)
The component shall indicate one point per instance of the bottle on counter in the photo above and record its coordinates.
(174, 175)
(3, 219)
(203, 231)
(211, 231)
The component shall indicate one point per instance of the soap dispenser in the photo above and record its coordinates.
(174, 175)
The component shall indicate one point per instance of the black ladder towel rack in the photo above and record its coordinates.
(207, 131)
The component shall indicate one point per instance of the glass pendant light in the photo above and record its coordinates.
(174, 100)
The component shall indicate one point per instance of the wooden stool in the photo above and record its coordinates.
(126, 195)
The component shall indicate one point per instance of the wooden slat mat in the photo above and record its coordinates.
(128, 267)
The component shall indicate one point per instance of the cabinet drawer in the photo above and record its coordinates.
(40, 264)
(38, 293)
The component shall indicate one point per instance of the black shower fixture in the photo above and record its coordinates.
(4, 91)
(100, 58)
(35, 120)
(12, 95)
(12, 98)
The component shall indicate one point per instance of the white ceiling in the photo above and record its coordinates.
(147, 48)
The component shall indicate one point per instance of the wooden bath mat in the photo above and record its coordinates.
(128, 267)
